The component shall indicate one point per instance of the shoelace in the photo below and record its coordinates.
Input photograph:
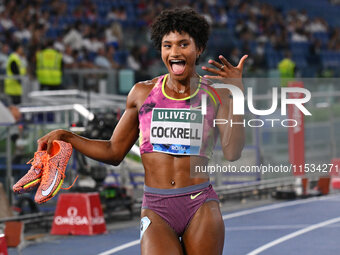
(45, 173)
(36, 161)
(44, 161)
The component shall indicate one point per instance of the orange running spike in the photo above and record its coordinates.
(33, 177)
(54, 171)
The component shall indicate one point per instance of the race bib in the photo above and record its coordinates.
(176, 131)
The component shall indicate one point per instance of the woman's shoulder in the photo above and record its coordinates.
(148, 84)
(141, 89)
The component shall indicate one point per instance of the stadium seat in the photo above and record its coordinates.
(321, 36)
(121, 57)
(300, 60)
(300, 48)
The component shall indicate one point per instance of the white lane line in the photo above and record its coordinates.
(230, 216)
(274, 206)
(292, 235)
(273, 227)
(120, 247)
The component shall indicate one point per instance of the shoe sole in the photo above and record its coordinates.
(27, 187)
(31, 183)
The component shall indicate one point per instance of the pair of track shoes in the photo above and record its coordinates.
(47, 172)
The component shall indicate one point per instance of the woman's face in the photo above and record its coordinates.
(179, 54)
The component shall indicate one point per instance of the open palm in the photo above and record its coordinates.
(225, 69)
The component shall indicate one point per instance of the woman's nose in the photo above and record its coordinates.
(175, 51)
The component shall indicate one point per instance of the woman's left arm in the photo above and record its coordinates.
(230, 126)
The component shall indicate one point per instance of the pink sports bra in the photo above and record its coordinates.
(177, 126)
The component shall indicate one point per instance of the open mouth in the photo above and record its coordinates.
(177, 66)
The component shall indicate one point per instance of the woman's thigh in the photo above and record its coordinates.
(205, 233)
(159, 237)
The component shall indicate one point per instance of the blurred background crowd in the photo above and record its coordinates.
(104, 46)
(114, 34)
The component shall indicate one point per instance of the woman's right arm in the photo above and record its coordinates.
(110, 151)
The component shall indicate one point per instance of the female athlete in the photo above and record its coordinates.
(172, 137)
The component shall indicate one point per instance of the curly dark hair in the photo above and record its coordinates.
(180, 20)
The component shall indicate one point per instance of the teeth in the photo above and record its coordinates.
(177, 61)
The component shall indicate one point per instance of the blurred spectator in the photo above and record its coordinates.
(58, 44)
(111, 56)
(49, 67)
(34, 45)
(92, 43)
(23, 32)
(105, 59)
(3, 57)
(280, 42)
(77, 12)
(299, 36)
(240, 27)
(117, 14)
(69, 58)
(249, 66)
(145, 56)
(114, 35)
(34, 22)
(286, 68)
(211, 3)
(222, 18)
(302, 16)
(252, 23)
(121, 15)
(334, 41)
(10, 113)
(206, 14)
(113, 14)
(234, 56)
(259, 58)
(134, 60)
(83, 60)
(314, 58)
(141, 5)
(317, 25)
(91, 12)
(73, 37)
(5, 21)
(70, 62)
(14, 111)
(15, 67)
(43, 18)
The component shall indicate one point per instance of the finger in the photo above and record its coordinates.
(225, 61)
(41, 145)
(49, 147)
(213, 77)
(211, 70)
(241, 63)
(214, 63)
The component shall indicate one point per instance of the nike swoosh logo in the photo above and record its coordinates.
(48, 191)
(194, 196)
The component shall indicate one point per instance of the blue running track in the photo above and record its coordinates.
(309, 226)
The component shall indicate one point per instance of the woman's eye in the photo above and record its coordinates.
(184, 45)
(166, 46)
